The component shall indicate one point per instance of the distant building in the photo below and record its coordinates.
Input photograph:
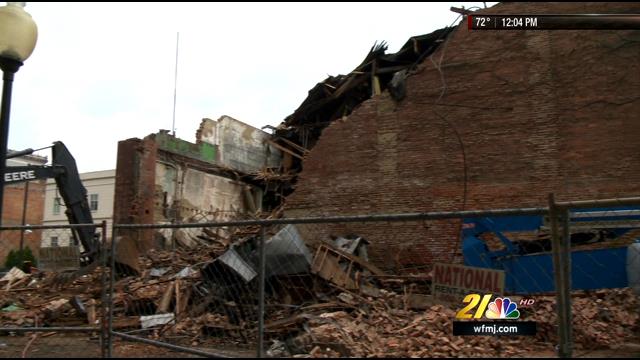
(19, 197)
(100, 187)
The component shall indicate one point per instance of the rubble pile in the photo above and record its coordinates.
(380, 331)
(34, 300)
(600, 318)
(341, 305)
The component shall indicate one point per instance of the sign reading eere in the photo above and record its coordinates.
(19, 175)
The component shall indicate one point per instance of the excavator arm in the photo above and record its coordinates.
(72, 191)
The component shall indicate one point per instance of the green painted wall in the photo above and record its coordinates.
(204, 151)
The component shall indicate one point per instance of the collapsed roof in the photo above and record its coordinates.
(338, 96)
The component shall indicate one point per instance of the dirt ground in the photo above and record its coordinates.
(631, 350)
(76, 346)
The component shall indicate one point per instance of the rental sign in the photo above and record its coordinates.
(453, 282)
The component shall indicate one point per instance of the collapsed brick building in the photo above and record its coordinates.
(492, 119)
(454, 120)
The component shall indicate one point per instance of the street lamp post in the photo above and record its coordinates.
(18, 35)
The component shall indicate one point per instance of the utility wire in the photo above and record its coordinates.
(438, 67)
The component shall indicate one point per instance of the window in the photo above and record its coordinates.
(54, 241)
(56, 206)
(93, 203)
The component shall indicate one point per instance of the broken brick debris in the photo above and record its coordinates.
(380, 315)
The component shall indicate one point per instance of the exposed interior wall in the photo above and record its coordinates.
(241, 147)
(523, 114)
(191, 195)
(163, 179)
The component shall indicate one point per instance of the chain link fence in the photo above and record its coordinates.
(52, 298)
(198, 294)
(372, 285)
(600, 254)
(318, 287)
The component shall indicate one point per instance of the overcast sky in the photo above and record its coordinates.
(104, 72)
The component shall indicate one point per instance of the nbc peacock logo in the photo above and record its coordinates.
(501, 312)
(502, 308)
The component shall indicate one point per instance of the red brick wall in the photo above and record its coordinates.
(134, 190)
(12, 215)
(536, 112)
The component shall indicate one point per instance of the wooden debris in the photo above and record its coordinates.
(166, 299)
(126, 323)
(383, 316)
(91, 312)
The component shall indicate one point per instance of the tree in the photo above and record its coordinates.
(11, 260)
(17, 258)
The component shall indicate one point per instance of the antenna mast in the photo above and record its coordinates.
(175, 86)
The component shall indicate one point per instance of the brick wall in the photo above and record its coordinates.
(156, 185)
(525, 113)
(12, 215)
(134, 199)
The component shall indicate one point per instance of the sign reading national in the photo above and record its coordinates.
(452, 282)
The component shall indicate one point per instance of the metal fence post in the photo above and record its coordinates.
(261, 280)
(112, 270)
(565, 259)
(556, 249)
(103, 309)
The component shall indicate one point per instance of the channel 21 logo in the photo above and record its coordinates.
(500, 308)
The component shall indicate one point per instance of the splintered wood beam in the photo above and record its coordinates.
(343, 87)
(376, 86)
(461, 11)
(374, 269)
(177, 292)
(303, 150)
(282, 148)
(128, 322)
(166, 299)
(351, 83)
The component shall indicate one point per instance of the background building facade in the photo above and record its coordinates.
(23, 204)
(100, 187)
